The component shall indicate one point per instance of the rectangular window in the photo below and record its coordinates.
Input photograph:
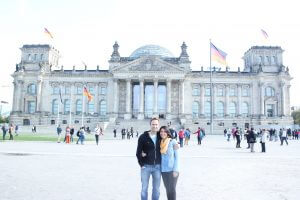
(207, 91)
(67, 90)
(56, 90)
(220, 92)
(232, 92)
(196, 90)
(245, 92)
(270, 110)
(91, 90)
(103, 90)
(79, 90)
(31, 107)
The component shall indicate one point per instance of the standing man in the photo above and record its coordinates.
(4, 130)
(58, 131)
(149, 159)
(115, 132)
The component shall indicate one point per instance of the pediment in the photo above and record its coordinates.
(148, 64)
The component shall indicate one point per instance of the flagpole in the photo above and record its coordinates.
(58, 113)
(210, 80)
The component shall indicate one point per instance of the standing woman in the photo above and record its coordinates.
(169, 162)
(252, 139)
(263, 140)
(98, 132)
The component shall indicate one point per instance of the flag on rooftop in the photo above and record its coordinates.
(60, 95)
(87, 94)
(217, 54)
(265, 34)
(48, 33)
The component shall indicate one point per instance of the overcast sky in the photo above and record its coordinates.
(85, 30)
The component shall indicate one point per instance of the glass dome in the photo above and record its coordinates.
(153, 50)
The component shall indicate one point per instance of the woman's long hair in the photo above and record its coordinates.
(167, 131)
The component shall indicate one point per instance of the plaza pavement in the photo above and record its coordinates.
(213, 171)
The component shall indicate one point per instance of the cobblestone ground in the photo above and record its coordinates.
(215, 170)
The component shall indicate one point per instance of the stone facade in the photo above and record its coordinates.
(151, 82)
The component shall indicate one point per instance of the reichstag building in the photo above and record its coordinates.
(151, 82)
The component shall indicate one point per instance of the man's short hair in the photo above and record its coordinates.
(154, 118)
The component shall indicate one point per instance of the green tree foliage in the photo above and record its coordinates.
(4, 119)
(296, 116)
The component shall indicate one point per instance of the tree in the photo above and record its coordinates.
(296, 116)
(4, 119)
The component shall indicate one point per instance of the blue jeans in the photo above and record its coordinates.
(146, 171)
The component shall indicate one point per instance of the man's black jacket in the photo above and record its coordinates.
(146, 145)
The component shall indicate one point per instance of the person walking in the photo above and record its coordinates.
(68, 135)
(16, 129)
(169, 162)
(81, 137)
(238, 137)
(187, 135)
(263, 140)
(58, 131)
(284, 137)
(115, 132)
(72, 133)
(181, 137)
(247, 132)
(199, 137)
(4, 130)
(98, 132)
(149, 159)
(10, 131)
(252, 139)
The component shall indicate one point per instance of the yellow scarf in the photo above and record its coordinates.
(164, 143)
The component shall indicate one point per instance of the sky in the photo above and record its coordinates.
(85, 31)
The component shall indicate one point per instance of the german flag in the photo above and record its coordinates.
(87, 94)
(48, 33)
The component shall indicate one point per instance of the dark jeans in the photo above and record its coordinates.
(97, 139)
(181, 142)
(170, 184)
(11, 137)
(263, 147)
(199, 140)
(238, 141)
(4, 133)
(284, 139)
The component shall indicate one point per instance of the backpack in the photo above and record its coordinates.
(181, 134)
(78, 134)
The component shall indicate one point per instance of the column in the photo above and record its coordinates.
(15, 104)
(262, 106)
(39, 95)
(141, 108)
(214, 89)
(182, 96)
(21, 95)
(282, 98)
(128, 100)
(73, 99)
(226, 100)
(169, 92)
(202, 99)
(116, 97)
(239, 103)
(155, 113)
(96, 100)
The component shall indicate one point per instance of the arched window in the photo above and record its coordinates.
(78, 107)
(274, 60)
(91, 107)
(67, 90)
(269, 92)
(245, 108)
(31, 89)
(220, 109)
(91, 90)
(207, 91)
(54, 106)
(35, 57)
(67, 106)
(29, 57)
(103, 108)
(103, 90)
(207, 108)
(232, 109)
(42, 57)
(195, 109)
(268, 60)
(261, 60)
